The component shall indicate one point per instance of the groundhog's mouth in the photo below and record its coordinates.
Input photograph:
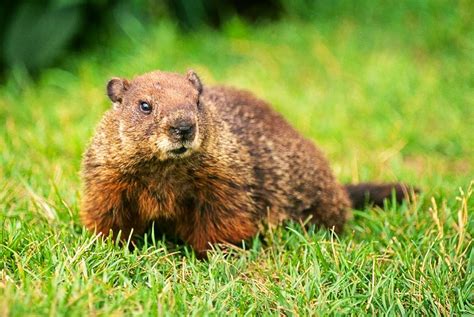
(179, 151)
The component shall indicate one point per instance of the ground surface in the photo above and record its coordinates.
(388, 99)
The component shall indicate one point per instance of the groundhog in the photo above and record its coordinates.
(207, 165)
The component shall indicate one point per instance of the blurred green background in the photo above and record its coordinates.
(36, 35)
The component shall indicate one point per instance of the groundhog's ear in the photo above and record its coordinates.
(194, 79)
(116, 87)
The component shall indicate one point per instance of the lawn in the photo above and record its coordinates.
(386, 99)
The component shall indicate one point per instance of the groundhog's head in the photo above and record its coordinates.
(159, 113)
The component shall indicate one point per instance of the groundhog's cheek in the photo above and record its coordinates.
(160, 145)
(163, 143)
(196, 143)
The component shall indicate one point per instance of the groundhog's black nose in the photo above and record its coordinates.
(183, 130)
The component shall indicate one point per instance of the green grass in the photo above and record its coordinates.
(386, 99)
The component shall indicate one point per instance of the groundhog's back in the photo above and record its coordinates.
(291, 175)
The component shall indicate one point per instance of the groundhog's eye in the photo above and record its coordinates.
(145, 107)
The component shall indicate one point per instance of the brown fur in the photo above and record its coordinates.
(242, 164)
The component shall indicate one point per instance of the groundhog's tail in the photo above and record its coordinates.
(375, 194)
